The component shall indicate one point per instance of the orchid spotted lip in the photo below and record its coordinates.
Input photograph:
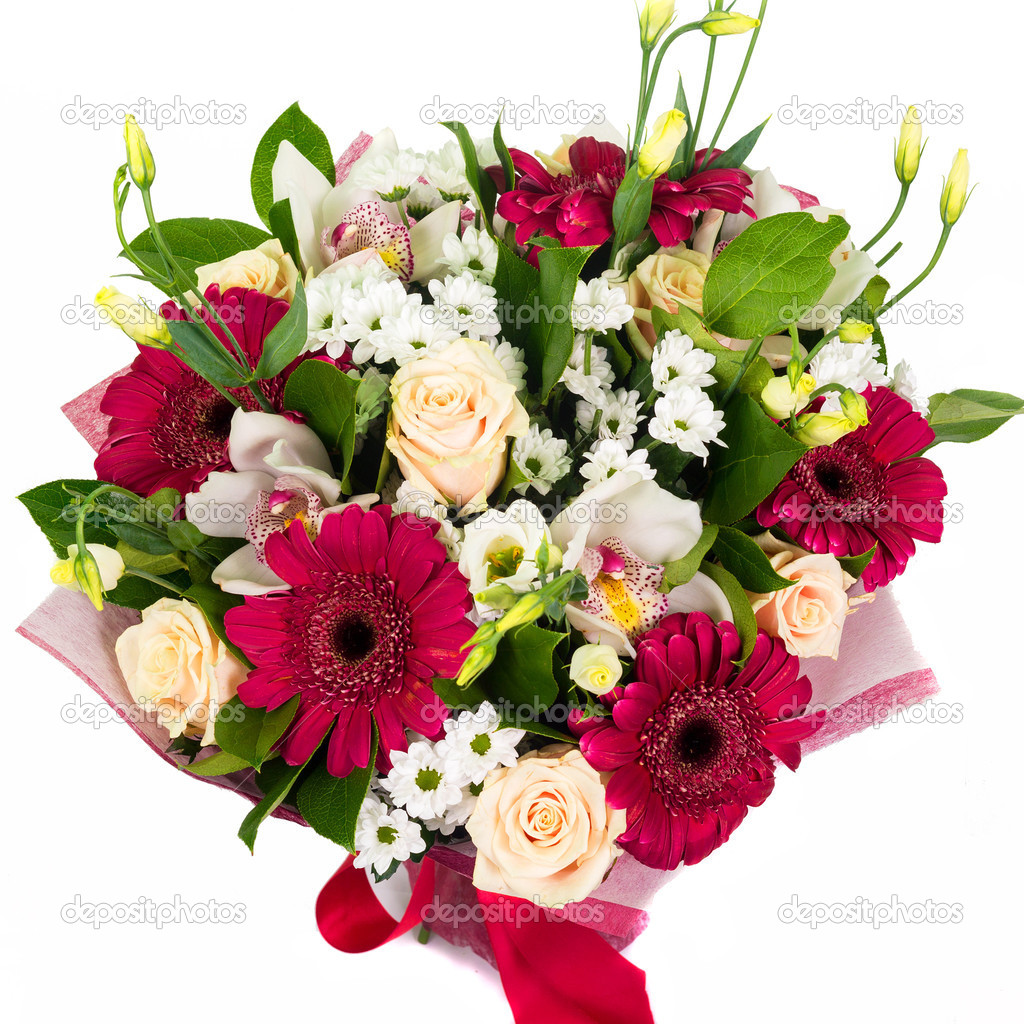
(367, 227)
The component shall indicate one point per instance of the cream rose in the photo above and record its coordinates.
(174, 663)
(666, 280)
(543, 830)
(451, 416)
(809, 615)
(268, 269)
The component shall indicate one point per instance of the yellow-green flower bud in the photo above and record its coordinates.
(955, 190)
(855, 332)
(141, 165)
(658, 152)
(478, 660)
(137, 320)
(727, 23)
(781, 401)
(656, 16)
(822, 428)
(909, 147)
(529, 608)
(92, 571)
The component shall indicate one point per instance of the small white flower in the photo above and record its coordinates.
(542, 458)
(445, 169)
(676, 360)
(512, 361)
(475, 252)
(600, 306)
(610, 457)
(501, 546)
(466, 305)
(384, 835)
(456, 815)
(588, 386)
(849, 366)
(422, 505)
(409, 336)
(620, 416)
(904, 383)
(365, 309)
(391, 175)
(474, 744)
(419, 782)
(687, 418)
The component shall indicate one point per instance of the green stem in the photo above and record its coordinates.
(653, 78)
(695, 132)
(900, 203)
(631, 150)
(944, 238)
(748, 360)
(159, 581)
(736, 90)
(588, 344)
(889, 255)
(817, 348)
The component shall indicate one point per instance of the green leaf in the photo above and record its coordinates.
(856, 564)
(758, 456)
(327, 398)
(221, 763)
(270, 803)
(284, 344)
(133, 592)
(737, 153)
(306, 137)
(776, 267)
(479, 180)
(537, 728)
(965, 416)
(197, 241)
(550, 344)
(516, 283)
(742, 556)
(684, 569)
(504, 157)
(865, 308)
(331, 805)
(680, 165)
(215, 604)
(283, 227)
(631, 208)
(742, 612)
(727, 362)
(250, 733)
(156, 565)
(208, 357)
(523, 672)
(52, 508)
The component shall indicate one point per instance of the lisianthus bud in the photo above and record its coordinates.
(595, 668)
(656, 16)
(141, 165)
(909, 148)
(529, 608)
(822, 428)
(781, 401)
(138, 321)
(658, 152)
(855, 332)
(478, 660)
(727, 23)
(92, 571)
(954, 192)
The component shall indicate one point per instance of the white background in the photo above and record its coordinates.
(922, 811)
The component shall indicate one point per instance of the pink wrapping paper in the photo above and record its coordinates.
(879, 672)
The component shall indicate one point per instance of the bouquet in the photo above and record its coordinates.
(511, 520)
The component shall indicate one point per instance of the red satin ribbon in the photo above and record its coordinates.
(557, 968)
(547, 965)
(351, 918)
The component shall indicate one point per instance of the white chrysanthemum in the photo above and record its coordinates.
(409, 336)
(445, 169)
(620, 416)
(466, 305)
(323, 310)
(419, 782)
(904, 383)
(610, 457)
(407, 498)
(676, 360)
(542, 458)
(475, 252)
(474, 744)
(588, 386)
(849, 365)
(512, 361)
(456, 815)
(422, 199)
(365, 309)
(687, 418)
(391, 175)
(600, 306)
(384, 835)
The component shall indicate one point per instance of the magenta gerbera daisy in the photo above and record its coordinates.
(866, 489)
(168, 426)
(375, 612)
(577, 208)
(691, 741)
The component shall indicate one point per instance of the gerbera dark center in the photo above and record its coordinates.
(701, 745)
(354, 637)
(843, 481)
